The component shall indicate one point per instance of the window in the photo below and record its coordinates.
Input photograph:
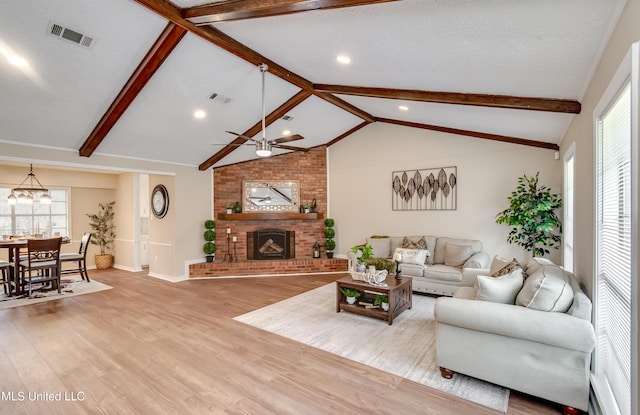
(567, 226)
(613, 259)
(48, 219)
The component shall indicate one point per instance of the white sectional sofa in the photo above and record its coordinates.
(540, 343)
(440, 265)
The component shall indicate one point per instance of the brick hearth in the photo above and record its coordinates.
(270, 267)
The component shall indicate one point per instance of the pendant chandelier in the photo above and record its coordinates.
(23, 193)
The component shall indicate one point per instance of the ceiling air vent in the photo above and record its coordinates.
(62, 32)
(219, 98)
(287, 118)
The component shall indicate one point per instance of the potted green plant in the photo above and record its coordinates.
(382, 300)
(351, 294)
(363, 252)
(209, 246)
(329, 234)
(532, 214)
(104, 234)
(229, 208)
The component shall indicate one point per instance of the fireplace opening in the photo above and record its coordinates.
(268, 244)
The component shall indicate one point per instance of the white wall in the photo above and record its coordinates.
(361, 166)
(190, 197)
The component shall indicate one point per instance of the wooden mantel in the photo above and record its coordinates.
(270, 216)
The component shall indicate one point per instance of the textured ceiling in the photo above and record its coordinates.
(544, 49)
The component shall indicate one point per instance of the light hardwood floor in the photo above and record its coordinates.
(153, 347)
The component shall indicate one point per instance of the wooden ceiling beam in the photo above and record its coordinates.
(347, 133)
(482, 100)
(166, 42)
(256, 128)
(341, 103)
(252, 9)
(475, 134)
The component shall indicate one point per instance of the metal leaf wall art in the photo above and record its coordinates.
(425, 189)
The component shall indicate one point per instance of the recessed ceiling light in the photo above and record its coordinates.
(343, 59)
(403, 108)
(18, 61)
(199, 114)
(286, 132)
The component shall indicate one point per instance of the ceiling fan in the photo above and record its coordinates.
(264, 146)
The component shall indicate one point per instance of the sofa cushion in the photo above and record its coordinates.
(412, 256)
(442, 272)
(503, 289)
(381, 246)
(548, 289)
(438, 254)
(536, 263)
(456, 255)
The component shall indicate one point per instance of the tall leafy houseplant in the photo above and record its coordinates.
(104, 233)
(532, 214)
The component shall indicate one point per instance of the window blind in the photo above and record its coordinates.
(567, 226)
(613, 248)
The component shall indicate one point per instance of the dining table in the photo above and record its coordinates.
(14, 246)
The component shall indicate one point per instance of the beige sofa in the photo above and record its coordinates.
(448, 263)
(541, 346)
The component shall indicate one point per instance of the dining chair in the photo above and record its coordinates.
(4, 270)
(42, 264)
(80, 258)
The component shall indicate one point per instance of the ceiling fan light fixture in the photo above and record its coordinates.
(263, 149)
(343, 59)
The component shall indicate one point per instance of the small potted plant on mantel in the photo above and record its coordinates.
(209, 246)
(104, 234)
(230, 207)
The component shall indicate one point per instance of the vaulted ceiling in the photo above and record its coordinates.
(493, 69)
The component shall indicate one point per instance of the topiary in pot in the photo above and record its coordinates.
(209, 246)
(329, 234)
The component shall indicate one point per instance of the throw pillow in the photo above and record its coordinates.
(502, 289)
(419, 244)
(549, 289)
(456, 255)
(497, 263)
(412, 256)
(536, 263)
(380, 246)
(507, 269)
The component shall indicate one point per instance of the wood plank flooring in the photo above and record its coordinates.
(153, 347)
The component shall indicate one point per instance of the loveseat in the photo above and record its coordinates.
(539, 342)
(438, 265)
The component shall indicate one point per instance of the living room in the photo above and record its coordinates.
(358, 172)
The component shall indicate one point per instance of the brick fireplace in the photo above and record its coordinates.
(310, 169)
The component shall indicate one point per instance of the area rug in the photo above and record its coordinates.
(70, 287)
(406, 348)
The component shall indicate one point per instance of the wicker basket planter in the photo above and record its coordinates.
(104, 261)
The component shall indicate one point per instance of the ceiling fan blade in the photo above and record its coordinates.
(231, 144)
(243, 136)
(291, 148)
(287, 139)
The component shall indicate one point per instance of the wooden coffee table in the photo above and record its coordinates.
(398, 291)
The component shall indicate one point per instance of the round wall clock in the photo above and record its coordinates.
(159, 201)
